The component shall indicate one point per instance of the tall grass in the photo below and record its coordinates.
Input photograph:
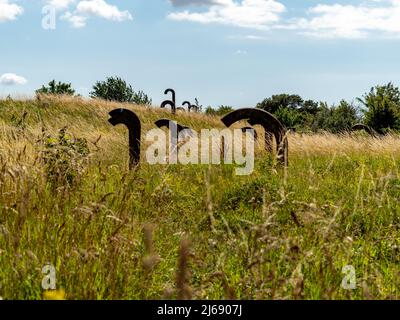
(193, 232)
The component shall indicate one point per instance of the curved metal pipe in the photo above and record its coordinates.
(361, 126)
(168, 124)
(171, 103)
(193, 107)
(132, 122)
(255, 135)
(189, 105)
(270, 124)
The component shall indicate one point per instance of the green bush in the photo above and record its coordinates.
(19, 122)
(335, 119)
(275, 102)
(64, 157)
(116, 89)
(382, 105)
(221, 111)
(57, 88)
(289, 117)
(291, 109)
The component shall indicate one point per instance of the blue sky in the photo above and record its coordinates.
(228, 52)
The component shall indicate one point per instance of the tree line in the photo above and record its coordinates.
(112, 89)
(379, 108)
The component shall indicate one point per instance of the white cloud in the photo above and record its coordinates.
(60, 4)
(182, 3)
(253, 37)
(241, 52)
(350, 21)
(75, 20)
(11, 79)
(370, 17)
(89, 8)
(102, 9)
(9, 11)
(257, 14)
(247, 37)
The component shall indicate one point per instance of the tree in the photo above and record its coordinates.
(310, 107)
(291, 109)
(221, 111)
(55, 88)
(289, 117)
(382, 107)
(210, 111)
(141, 98)
(335, 119)
(272, 104)
(116, 89)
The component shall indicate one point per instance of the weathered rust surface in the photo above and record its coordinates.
(255, 135)
(132, 122)
(167, 123)
(272, 127)
(360, 126)
(188, 104)
(172, 102)
(193, 106)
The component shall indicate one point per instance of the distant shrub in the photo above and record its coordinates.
(335, 119)
(291, 109)
(116, 89)
(245, 194)
(141, 98)
(57, 88)
(19, 122)
(382, 105)
(221, 111)
(272, 104)
(288, 117)
(64, 157)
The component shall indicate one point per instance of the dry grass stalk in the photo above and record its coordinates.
(209, 204)
(184, 291)
(151, 259)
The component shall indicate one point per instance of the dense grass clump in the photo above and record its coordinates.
(190, 232)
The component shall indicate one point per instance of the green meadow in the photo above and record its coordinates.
(67, 199)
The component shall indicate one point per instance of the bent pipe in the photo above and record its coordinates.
(270, 124)
(179, 128)
(255, 135)
(132, 122)
(189, 105)
(267, 135)
(171, 103)
(194, 107)
(167, 123)
(360, 126)
(172, 91)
